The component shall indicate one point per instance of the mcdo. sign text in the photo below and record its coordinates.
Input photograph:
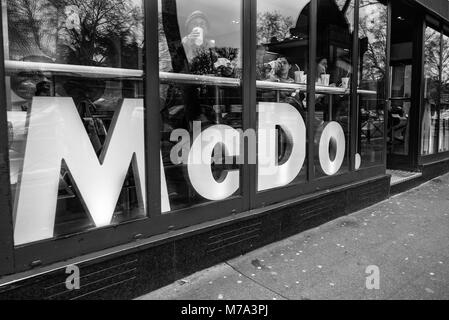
(56, 134)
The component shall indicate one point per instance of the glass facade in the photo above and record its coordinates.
(435, 116)
(282, 68)
(373, 23)
(259, 105)
(432, 83)
(400, 109)
(444, 98)
(61, 149)
(334, 71)
(200, 51)
(308, 111)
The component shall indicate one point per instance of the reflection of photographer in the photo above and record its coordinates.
(197, 26)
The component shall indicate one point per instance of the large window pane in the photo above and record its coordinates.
(72, 68)
(333, 84)
(200, 52)
(282, 69)
(444, 104)
(399, 112)
(372, 74)
(432, 81)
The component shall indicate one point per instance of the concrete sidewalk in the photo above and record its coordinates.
(406, 237)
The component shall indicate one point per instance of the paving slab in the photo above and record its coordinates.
(405, 237)
(221, 282)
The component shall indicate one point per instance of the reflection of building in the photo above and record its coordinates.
(383, 109)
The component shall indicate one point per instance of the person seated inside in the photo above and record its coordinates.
(321, 68)
(265, 72)
(280, 72)
(284, 70)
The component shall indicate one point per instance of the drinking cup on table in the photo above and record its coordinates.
(325, 79)
(299, 76)
(345, 82)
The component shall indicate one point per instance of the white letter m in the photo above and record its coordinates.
(56, 133)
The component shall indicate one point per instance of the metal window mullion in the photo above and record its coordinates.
(419, 80)
(152, 114)
(387, 81)
(439, 90)
(354, 115)
(6, 223)
(249, 45)
(313, 27)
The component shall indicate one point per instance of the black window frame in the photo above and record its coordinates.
(209, 211)
(6, 223)
(443, 29)
(22, 258)
(50, 251)
(314, 184)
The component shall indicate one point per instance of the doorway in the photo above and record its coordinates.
(403, 106)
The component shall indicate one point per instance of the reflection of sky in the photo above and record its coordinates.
(288, 8)
(137, 3)
(223, 16)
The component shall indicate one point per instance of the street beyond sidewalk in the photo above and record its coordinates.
(405, 237)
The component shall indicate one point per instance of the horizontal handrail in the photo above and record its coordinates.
(12, 66)
(268, 85)
(86, 71)
(167, 77)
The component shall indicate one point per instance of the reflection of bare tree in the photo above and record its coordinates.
(108, 32)
(373, 35)
(445, 58)
(273, 25)
(432, 60)
(432, 53)
(31, 26)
